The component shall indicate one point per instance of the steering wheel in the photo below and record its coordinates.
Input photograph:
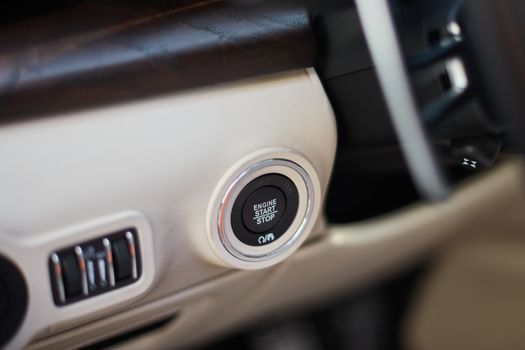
(488, 40)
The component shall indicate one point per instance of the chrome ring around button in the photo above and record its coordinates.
(293, 234)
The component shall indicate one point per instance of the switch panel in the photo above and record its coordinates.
(95, 267)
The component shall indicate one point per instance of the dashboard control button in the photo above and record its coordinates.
(121, 259)
(263, 209)
(83, 272)
(476, 153)
(59, 280)
(133, 254)
(71, 276)
(109, 259)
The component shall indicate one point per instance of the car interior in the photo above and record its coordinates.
(262, 174)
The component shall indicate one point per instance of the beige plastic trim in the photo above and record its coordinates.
(161, 157)
(348, 257)
(472, 296)
(31, 256)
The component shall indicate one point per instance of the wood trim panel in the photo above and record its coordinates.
(99, 52)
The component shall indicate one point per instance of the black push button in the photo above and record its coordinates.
(263, 209)
(71, 276)
(476, 153)
(121, 259)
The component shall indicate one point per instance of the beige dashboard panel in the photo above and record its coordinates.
(344, 257)
(159, 162)
(472, 298)
(66, 178)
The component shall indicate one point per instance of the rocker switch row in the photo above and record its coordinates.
(95, 267)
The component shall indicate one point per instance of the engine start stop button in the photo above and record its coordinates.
(263, 209)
